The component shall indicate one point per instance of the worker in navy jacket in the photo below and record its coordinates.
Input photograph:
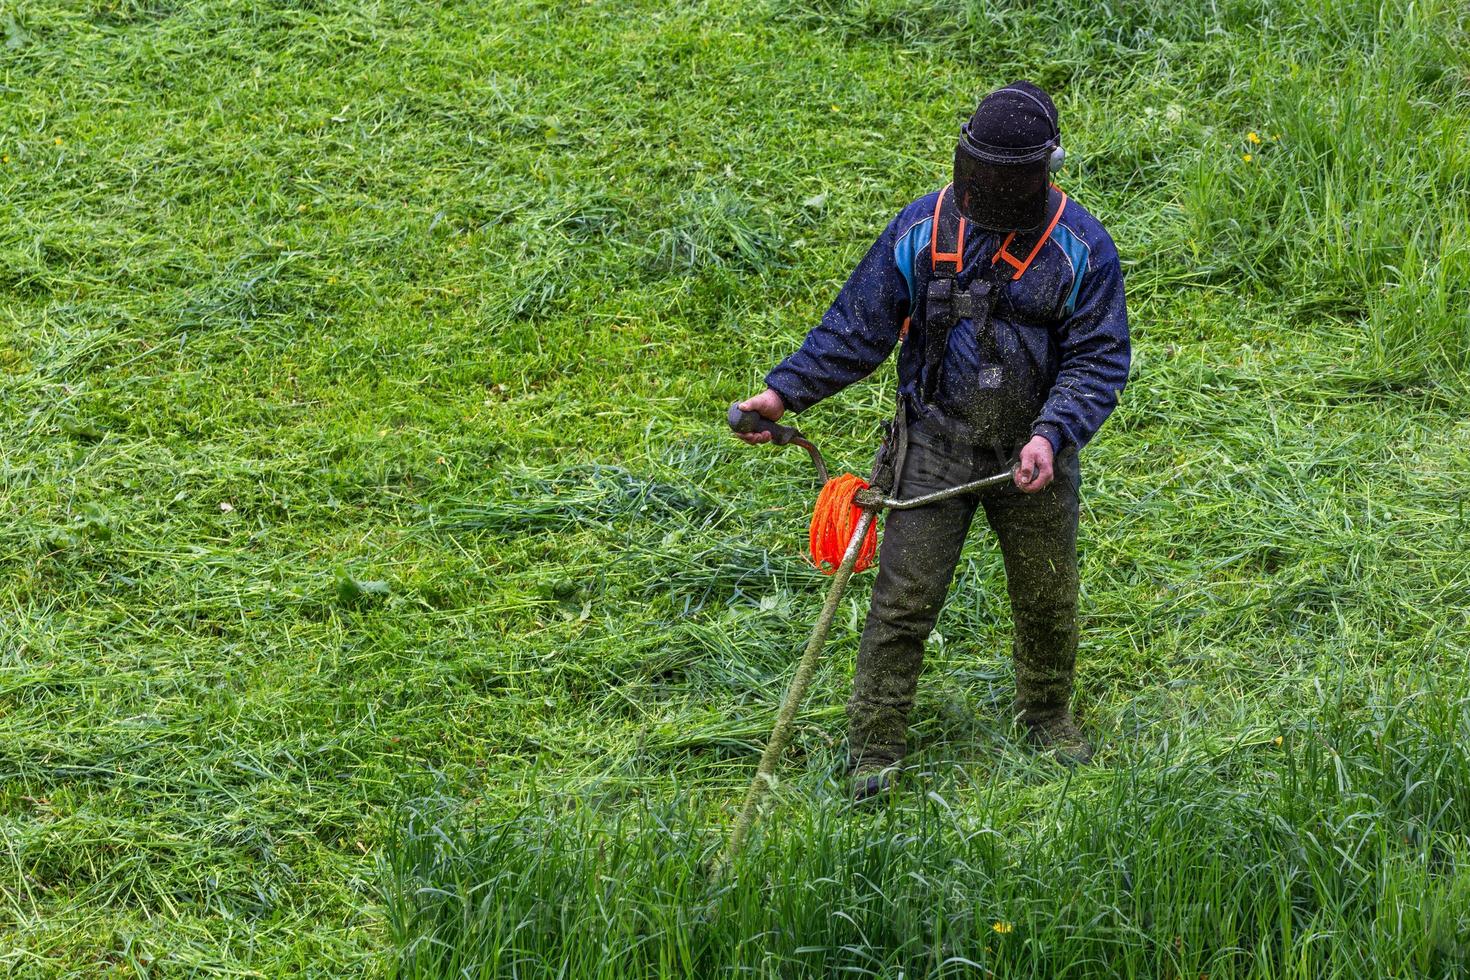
(1007, 300)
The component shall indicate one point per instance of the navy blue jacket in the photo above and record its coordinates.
(1063, 322)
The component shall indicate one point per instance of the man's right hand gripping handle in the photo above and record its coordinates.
(768, 406)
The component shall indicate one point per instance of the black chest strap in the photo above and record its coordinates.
(946, 303)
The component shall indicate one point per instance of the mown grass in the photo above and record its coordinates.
(363, 369)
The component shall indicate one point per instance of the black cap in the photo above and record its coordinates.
(1015, 124)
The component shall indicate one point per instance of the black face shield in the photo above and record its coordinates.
(1001, 190)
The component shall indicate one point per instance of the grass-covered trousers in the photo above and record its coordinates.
(916, 561)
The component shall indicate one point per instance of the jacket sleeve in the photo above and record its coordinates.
(1095, 356)
(856, 334)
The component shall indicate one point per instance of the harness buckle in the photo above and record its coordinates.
(940, 302)
(973, 302)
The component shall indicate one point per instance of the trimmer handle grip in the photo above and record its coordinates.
(746, 423)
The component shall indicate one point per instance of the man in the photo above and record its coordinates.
(1008, 298)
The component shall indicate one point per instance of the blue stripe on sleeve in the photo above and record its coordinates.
(908, 248)
(1077, 253)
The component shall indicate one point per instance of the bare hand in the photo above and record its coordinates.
(767, 405)
(1035, 469)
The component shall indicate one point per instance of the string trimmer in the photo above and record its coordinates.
(843, 538)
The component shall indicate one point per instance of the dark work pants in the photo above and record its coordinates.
(916, 561)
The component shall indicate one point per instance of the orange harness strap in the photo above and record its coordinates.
(955, 258)
(1016, 263)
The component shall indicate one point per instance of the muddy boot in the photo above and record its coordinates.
(1043, 693)
(877, 735)
(872, 782)
(1042, 698)
(1060, 734)
(876, 742)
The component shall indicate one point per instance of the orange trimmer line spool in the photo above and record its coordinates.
(833, 520)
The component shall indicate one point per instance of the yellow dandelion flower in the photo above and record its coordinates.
(1253, 137)
(300, 208)
(4, 159)
(836, 108)
(1247, 157)
(1276, 740)
(1002, 927)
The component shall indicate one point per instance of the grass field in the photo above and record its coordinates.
(379, 593)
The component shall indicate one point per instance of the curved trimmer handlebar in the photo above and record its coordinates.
(872, 500)
(745, 423)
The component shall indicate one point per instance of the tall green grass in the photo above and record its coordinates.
(1334, 849)
(362, 369)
